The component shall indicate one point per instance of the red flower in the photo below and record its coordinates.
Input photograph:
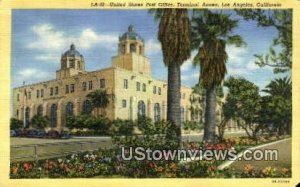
(27, 167)
(208, 146)
(68, 170)
(46, 172)
(151, 165)
(81, 168)
(49, 165)
(229, 146)
(219, 147)
(211, 168)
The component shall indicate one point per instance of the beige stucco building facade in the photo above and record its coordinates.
(131, 88)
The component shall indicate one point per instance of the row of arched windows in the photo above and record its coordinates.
(142, 110)
(87, 110)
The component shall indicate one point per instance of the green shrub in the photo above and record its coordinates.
(15, 124)
(39, 122)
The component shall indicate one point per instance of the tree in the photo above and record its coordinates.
(277, 110)
(99, 99)
(211, 32)
(280, 87)
(280, 52)
(174, 36)
(243, 104)
(40, 122)
(276, 114)
(15, 124)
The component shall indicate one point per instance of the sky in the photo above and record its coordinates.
(41, 36)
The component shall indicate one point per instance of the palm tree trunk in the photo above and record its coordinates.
(210, 115)
(173, 101)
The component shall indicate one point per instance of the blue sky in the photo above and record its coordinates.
(41, 36)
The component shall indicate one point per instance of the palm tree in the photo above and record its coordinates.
(280, 87)
(99, 99)
(211, 32)
(174, 36)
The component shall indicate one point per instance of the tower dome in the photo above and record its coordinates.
(131, 34)
(72, 63)
(72, 51)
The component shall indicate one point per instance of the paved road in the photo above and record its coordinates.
(284, 157)
(31, 148)
(28, 141)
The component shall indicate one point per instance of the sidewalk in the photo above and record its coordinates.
(284, 157)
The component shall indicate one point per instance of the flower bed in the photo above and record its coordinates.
(109, 163)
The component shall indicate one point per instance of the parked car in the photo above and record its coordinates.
(13, 133)
(53, 134)
(19, 132)
(65, 135)
(41, 134)
(32, 133)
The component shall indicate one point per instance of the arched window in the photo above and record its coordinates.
(87, 107)
(69, 109)
(53, 115)
(123, 49)
(39, 111)
(132, 48)
(156, 112)
(141, 108)
(27, 117)
(182, 114)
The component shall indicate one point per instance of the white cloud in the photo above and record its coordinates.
(31, 75)
(236, 71)
(235, 54)
(252, 66)
(152, 47)
(194, 77)
(187, 65)
(50, 42)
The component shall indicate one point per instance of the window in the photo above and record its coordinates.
(125, 84)
(17, 113)
(84, 86)
(102, 83)
(154, 89)
(29, 95)
(144, 87)
(87, 107)
(124, 103)
(72, 64)
(56, 90)
(141, 108)
(53, 115)
(18, 97)
(42, 92)
(72, 88)
(138, 86)
(67, 89)
(90, 85)
(69, 109)
(132, 48)
(123, 49)
(156, 112)
(27, 116)
(39, 111)
(182, 114)
(159, 90)
(51, 91)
